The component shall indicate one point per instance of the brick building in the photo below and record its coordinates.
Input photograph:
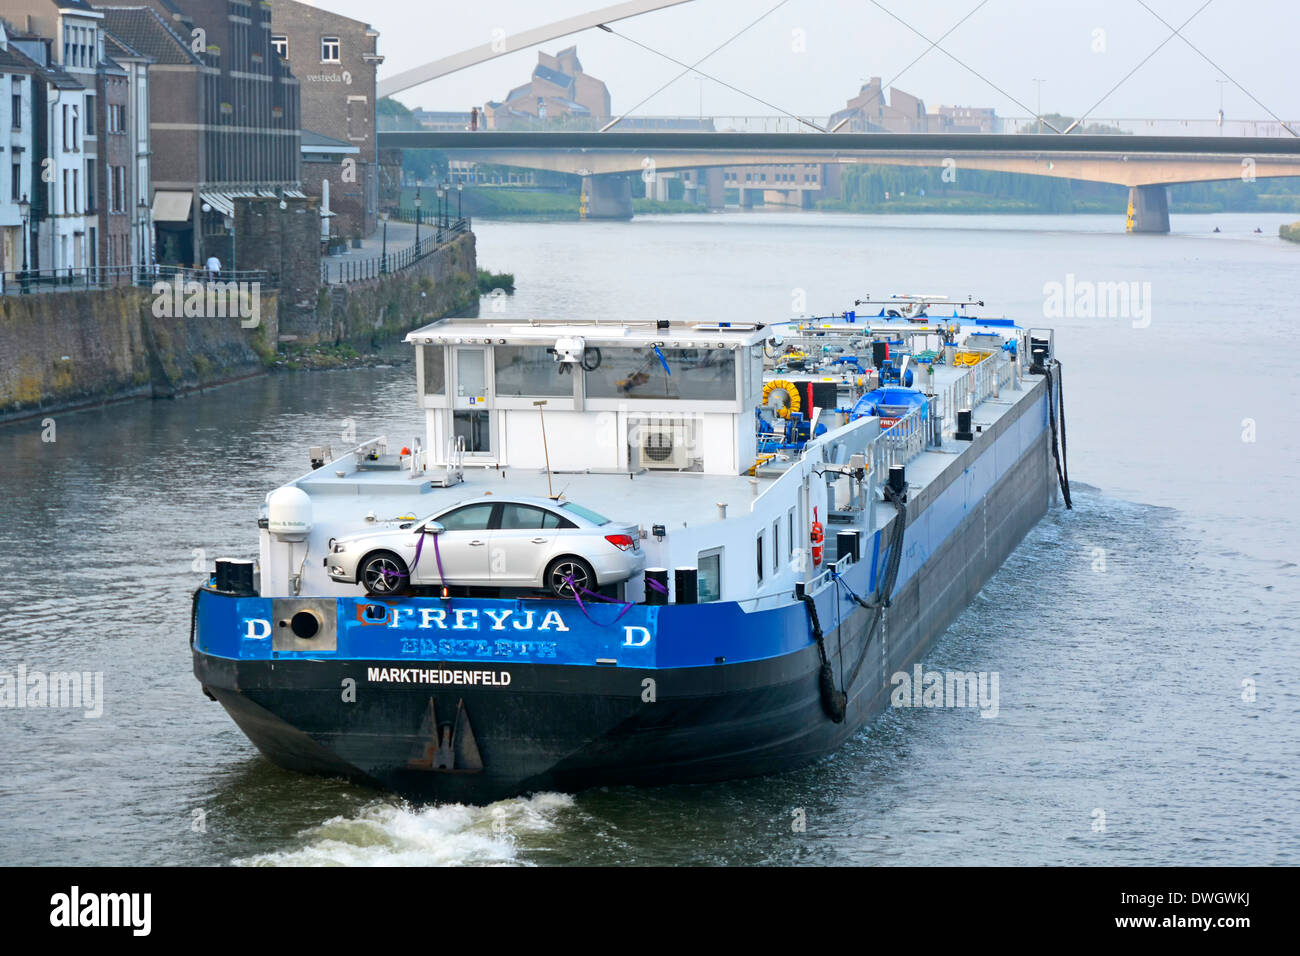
(109, 191)
(224, 120)
(335, 59)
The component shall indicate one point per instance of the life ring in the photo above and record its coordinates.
(818, 536)
(770, 387)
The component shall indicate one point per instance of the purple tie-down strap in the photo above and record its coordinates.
(419, 545)
(656, 585)
(627, 606)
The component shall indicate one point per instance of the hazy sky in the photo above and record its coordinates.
(1080, 48)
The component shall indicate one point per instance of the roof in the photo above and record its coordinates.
(638, 333)
(119, 50)
(51, 73)
(552, 76)
(11, 61)
(145, 32)
(320, 143)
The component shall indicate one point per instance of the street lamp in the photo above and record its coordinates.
(440, 194)
(418, 204)
(460, 188)
(143, 209)
(1039, 86)
(229, 223)
(24, 210)
(383, 216)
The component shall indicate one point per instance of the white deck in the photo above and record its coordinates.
(773, 511)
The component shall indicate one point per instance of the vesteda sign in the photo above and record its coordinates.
(489, 631)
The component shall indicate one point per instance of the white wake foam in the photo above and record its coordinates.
(385, 833)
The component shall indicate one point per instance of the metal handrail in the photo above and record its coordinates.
(103, 277)
(376, 267)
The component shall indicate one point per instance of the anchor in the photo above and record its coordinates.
(451, 747)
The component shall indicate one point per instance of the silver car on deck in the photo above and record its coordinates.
(492, 542)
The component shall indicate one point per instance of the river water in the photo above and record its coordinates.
(1146, 642)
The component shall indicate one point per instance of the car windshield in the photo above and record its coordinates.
(582, 512)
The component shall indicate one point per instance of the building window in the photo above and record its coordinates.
(116, 118)
(90, 186)
(280, 44)
(329, 49)
(709, 578)
(16, 184)
(117, 188)
(90, 115)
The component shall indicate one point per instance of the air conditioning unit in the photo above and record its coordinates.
(663, 444)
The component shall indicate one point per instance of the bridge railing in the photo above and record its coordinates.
(1155, 127)
(1135, 126)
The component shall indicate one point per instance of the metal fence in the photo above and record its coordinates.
(375, 267)
(37, 281)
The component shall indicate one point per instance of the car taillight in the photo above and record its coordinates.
(623, 542)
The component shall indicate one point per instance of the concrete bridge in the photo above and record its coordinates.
(1146, 164)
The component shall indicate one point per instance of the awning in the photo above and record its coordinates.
(169, 206)
(224, 202)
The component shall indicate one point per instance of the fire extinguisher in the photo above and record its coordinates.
(818, 536)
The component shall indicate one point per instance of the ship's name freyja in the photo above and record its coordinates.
(468, 619)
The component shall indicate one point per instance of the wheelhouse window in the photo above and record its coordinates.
(776, 546)
(531, 370)
(691, 374)
(435, 370)
(759, 551)
(709, 575)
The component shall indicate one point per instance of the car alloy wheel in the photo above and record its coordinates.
(570, 569)
(384, 573)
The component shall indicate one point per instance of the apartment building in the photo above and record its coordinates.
(335, 60)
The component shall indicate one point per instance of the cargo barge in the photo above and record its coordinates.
(633, 552)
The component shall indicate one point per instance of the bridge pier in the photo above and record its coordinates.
(1148, 209)
(715, 188)
(609, 196)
